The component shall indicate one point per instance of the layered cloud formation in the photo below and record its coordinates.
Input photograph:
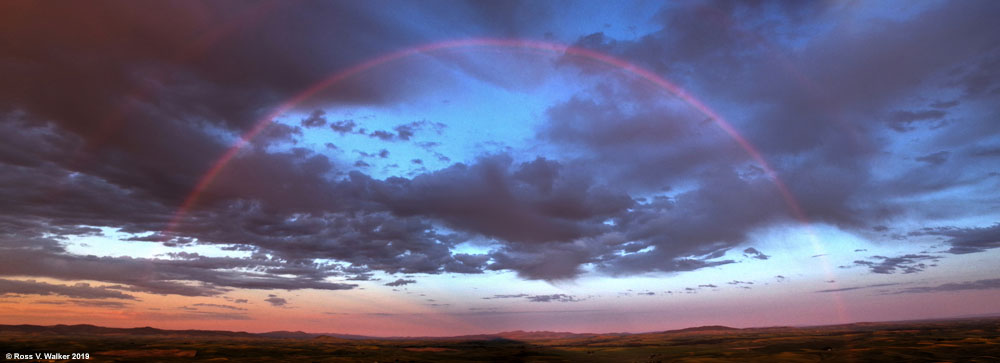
(880, 123)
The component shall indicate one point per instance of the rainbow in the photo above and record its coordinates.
(521, 44)
(643, 73)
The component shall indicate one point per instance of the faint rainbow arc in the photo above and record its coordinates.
(629, 67)
(645, 74)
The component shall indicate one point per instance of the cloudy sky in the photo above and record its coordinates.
(450, 167)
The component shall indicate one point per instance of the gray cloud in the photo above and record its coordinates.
(537, 298)
(936, 158)
(213, 275)
(967, 240)
(857, 287)
(552, 298)
(509, 296)
(275, 300)
(987, 284)
(902, 121)
(906, 264)
(819, 139)
(400, 282)
(79, 290)
(316, 119)
(754, 253)
(343, 126)
(99, 304)
(220, 306)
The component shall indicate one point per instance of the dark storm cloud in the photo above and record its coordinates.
(120, 89)
(110, 116)
(79, 290)
(249, 215)
(488, 197)
(224, 54)
(127, 88)
(695, 228)
(636, 145)
(732, 46)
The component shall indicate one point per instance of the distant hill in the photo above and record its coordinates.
(303, 335)
(335, 340)
(518, 335)
(963, 340)
(706, 328)
(522, 336)
(86, 329)
(281, 334)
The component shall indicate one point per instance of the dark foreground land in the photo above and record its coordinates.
(967, 340)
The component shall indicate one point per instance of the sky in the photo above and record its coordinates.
(397, 168)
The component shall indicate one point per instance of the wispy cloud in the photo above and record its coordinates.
(79, 290)
(988, 284)
(220, 306)
(859, 287)
(400, 282)
(538, 298)
(274, 300)
(907, 264)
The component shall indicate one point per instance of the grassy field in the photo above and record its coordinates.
(970, 340)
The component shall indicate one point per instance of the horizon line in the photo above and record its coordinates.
(993, 315)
